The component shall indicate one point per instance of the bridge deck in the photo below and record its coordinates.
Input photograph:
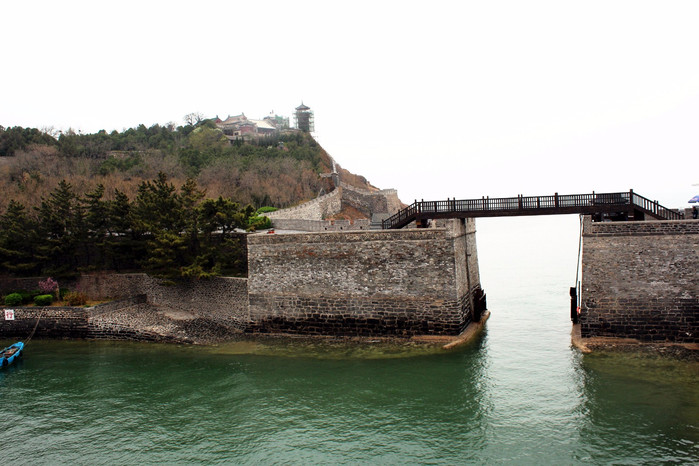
(629, 203)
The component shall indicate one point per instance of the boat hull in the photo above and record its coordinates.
(11, 354)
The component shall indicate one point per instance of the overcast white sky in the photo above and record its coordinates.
(437, 99)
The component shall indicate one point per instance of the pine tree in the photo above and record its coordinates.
(17, 241)
(95, 226)
(124, 246)
(60, 227)
(158, 214)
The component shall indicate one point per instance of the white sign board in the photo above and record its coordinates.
(9, 314)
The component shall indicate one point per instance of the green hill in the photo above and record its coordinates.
(278, 170)
(161, 199)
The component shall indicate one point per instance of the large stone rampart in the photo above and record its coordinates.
(396, 282)
(639, 280)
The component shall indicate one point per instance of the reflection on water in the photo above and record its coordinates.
(519, 394)
(640, 407)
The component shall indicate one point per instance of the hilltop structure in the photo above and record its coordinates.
(240, 126)
(304, 118)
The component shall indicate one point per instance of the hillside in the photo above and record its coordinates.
(279, 170)
(168, 201)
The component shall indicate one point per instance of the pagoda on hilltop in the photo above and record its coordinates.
(304, 118)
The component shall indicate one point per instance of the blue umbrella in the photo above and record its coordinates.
(694, 199)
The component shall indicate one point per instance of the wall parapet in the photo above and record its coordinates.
(648, 228)
(320, 225)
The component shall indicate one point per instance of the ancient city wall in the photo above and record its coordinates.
(639, 280)
(398, 282)
(311, 215)
(317, 209)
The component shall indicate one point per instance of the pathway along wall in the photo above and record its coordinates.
(639, 280)
(394, 282)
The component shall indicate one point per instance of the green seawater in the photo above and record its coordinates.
(518, 394)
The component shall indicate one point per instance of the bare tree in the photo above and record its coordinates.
(193, 118)
(51, 131)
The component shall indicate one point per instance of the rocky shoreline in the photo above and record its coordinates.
(680, 351)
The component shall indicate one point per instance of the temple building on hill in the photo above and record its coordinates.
(240, 126)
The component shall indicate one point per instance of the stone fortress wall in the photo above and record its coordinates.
(397, 282)
(639, 280)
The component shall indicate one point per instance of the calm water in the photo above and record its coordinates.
(519, 394)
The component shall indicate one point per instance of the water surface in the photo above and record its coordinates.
(519, 394)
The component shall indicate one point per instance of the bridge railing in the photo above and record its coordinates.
(512, 205)
(653, 206)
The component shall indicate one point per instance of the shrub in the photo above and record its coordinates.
(13, 299)
(48, 286)
(43, 300)
(76, 298)
(259, 223)
(265, 209)
(28, 296)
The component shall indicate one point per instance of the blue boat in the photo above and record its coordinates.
(11, 353)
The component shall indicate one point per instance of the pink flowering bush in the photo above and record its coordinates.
(48, 286)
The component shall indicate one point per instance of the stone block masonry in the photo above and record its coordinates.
(398, 282)
(640, 280)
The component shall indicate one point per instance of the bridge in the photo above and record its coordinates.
(615, 206)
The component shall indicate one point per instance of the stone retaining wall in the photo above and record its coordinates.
(221, 299)
(640, 280)
(55, 322)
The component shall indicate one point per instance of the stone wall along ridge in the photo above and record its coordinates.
(316, 209)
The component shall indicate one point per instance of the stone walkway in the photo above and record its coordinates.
(146, 322)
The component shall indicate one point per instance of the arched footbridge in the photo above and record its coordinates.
(625, 205)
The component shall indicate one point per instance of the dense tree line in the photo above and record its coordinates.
(167, 231)
(18, 138)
